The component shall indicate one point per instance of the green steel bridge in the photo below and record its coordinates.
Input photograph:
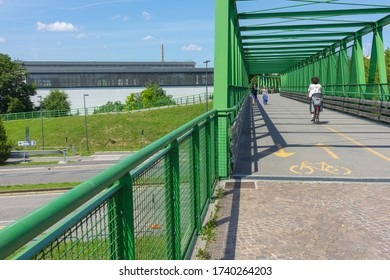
(152, 204)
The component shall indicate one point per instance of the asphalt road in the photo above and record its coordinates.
(78, 170)
(16, 206)
(13, 207)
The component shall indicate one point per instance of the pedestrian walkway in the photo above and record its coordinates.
(300, 218)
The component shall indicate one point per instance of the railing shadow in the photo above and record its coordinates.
(249, 153)
(249, 156)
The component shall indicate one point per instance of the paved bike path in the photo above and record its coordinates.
(280, 141)
(336, 209)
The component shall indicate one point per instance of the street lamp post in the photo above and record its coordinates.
(42, 134)
(85, 122)
(207, 93)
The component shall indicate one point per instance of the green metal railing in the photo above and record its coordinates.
(361, 91)
(148, 206)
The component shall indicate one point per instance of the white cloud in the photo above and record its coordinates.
(2, 40)
(146, 16)
(191, 48)
(56, 27)
(79, 36)
(147, 38)
(120, 18)
(116, 17)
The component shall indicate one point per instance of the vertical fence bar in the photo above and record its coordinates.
(215, 147)
(208, 158)
(196, 178)
(173, 213)
(125, 220)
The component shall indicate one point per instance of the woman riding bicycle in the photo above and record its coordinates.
(314, 89)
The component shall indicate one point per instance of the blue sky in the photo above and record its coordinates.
(121, 30)
(107, 30)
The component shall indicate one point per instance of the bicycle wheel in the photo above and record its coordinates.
(317, 115)
(297, 169)
(338, 170)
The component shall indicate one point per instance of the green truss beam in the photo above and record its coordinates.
(306, 26)
(298, 35)
(311, 14)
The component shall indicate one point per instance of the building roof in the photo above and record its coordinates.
(34, 67)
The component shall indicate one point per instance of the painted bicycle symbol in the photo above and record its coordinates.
(308, 168)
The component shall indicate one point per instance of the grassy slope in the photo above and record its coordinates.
(124, 128)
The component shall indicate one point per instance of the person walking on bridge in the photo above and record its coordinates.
(254, 94)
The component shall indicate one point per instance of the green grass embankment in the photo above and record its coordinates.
(106, 132)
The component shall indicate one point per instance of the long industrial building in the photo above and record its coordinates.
(73, 74)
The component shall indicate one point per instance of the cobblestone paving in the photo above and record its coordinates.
(303, 221)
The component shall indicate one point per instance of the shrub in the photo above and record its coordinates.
(5, 146)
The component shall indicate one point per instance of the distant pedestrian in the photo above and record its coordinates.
(265, 95)
(254, 94)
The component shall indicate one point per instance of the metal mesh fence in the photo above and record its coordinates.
(223, 148)
(89, 239)
(187, 191)
(152, 217)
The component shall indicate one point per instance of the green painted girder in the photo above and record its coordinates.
(249, 50)
(281, 54)
(287, 43)
(313, 14)
(306, 26)
(383, 21)
(280, 61)
(303, 35)
(263, 69)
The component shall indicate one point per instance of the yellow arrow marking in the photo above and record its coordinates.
(333, 155)
(281, 152)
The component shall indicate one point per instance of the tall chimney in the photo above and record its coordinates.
(162, 52)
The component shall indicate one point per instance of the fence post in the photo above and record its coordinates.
(124, 233)
(208, 158)
(172, 194)
(196, 176)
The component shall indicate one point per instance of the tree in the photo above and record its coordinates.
(152, 96)
(13, 87)
(367, 61)
(110, 107)
(5, 146)
(387, 59)
(56, 100)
